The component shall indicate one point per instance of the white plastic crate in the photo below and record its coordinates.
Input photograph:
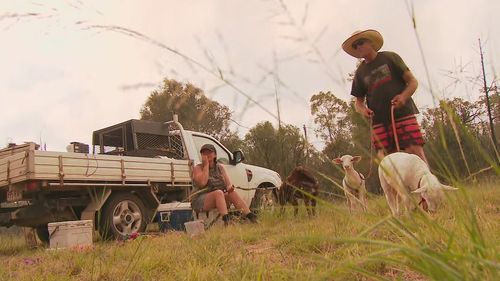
(68, 234)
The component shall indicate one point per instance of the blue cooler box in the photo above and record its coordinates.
(172, 216)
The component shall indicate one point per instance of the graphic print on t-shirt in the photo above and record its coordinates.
(377, 77)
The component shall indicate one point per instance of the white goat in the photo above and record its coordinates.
(353, 182)
(401, 173)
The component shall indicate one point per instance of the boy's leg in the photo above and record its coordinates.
(380, 154)
(417, 150)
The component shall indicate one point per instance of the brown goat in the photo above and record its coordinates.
(300, 184)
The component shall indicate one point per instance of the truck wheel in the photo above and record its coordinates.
(122, 215)
(42, 231)
(264, 199)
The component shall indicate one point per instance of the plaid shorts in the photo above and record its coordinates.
(408, 131)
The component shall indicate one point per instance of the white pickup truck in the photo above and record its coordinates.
(134, 166)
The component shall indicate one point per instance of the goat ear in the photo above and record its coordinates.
(447, 187)
(337, 161)
(419, 190)
(356, 159)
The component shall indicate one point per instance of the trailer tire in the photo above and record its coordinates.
(42, 232)
(122, 215)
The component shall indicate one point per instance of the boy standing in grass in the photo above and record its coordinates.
(383, 80)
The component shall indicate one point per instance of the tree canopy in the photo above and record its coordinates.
(458, 139)
(331, 114)
(279, 149)
(195, 111)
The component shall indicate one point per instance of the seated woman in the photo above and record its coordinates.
(214, 188)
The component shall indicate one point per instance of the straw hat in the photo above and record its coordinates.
(374, 36)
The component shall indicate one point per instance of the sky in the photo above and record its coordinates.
(70, 67)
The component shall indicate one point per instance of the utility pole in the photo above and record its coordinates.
(275, 76)
(306, 145)
(486, 91)
(277, 103)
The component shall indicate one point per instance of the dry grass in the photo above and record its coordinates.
(335, 245)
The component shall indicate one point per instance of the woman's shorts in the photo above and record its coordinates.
(197, 202)
(408, 131)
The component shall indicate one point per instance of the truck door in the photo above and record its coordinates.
(236, 173)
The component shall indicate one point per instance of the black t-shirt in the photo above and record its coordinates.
(379, 81)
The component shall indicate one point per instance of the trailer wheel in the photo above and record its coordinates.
(42, 231)
(122, 215)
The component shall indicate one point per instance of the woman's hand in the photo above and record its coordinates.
(204, 160)
(201, 171)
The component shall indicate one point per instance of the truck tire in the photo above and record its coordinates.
(42, 231)
(122, 215)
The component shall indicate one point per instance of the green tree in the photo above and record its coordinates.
(456, 144)
(279, 149)
(331, 115)
(232, 141)
(196, 112)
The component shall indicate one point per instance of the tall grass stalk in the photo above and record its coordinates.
(433, 250)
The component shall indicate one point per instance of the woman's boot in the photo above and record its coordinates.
(226, 218)
(251, 217)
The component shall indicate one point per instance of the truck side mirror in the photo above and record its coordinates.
(238, 157)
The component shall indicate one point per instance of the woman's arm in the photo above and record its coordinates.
(200, 174)
(227, 180)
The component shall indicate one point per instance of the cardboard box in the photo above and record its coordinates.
(172, 216)
(68, 234)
